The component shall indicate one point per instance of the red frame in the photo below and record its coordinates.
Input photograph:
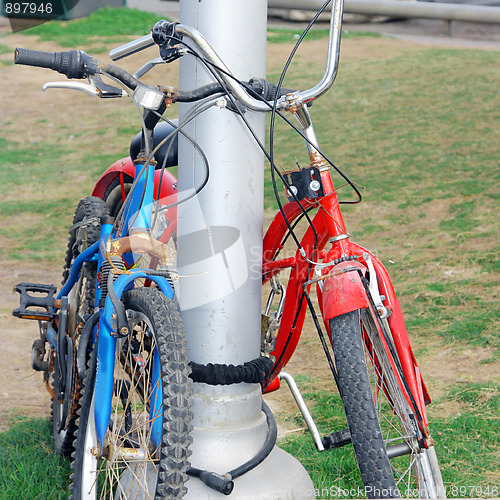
(329, 224)
(340, 294)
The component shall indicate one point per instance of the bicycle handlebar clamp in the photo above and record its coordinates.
(165, 36)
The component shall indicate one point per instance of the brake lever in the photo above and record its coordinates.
(95, 88)
(148, 67)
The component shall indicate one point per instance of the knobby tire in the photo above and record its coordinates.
(84, 232)
(378, 414)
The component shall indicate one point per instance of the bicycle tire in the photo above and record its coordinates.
(378, 414)
(114, 195)
(84, 232)
(155, 324)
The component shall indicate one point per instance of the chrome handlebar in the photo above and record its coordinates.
(297, 99)
(131, 47)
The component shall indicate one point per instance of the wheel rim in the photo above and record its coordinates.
(413, 472)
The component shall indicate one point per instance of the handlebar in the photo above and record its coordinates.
(78, 64)
(132, 47)
(179, 31)
(73, 64)
(297, 97)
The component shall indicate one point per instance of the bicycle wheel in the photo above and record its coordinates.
(383, 426)
(83, 233)
(145, 450)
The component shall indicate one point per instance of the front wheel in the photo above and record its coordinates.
(145, 450)
(384, 428)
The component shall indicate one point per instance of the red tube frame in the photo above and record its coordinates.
(329, 225)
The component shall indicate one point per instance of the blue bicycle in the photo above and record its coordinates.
(113, 351)
(112, 346)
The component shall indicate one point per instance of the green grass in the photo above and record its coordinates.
(106, 25)
(109, 25)
(6, 51)
(468, 447)
(30, 468)
(468, 443)
(287, 35)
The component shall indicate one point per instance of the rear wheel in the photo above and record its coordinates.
(384, 429)
(145, 450)
(116, 193)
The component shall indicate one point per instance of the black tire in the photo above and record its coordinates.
(83, 233)
(114, 195)
(63, 440)
(155, 325)
(378, 414)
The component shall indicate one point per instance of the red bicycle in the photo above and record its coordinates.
(373, 365)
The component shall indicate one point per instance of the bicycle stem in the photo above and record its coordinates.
(304, 118)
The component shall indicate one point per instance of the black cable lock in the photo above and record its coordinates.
(251, 372)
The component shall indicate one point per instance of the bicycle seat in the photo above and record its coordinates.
(161, 131)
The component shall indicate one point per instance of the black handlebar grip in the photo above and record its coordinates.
(73, 64)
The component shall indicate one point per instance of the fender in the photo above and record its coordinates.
(342, 291)
(126, 166)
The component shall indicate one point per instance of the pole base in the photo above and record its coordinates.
(279, 477)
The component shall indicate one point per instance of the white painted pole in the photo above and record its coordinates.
(219, 258)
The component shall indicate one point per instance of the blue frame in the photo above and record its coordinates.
(138, 208)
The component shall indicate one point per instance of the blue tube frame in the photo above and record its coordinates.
(138, 211)
(89, 254)
(137, 207)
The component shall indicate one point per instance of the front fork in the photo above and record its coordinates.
(365, 283)
(108, 333)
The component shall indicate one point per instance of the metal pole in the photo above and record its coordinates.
(422, 10)
(220, 258)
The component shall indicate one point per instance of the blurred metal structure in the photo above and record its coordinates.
(403, 9)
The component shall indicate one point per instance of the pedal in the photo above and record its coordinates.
(337, 439)
(39, 306)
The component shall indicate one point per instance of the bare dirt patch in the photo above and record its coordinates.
(22, 391)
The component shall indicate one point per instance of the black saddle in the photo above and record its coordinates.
(161, 131)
